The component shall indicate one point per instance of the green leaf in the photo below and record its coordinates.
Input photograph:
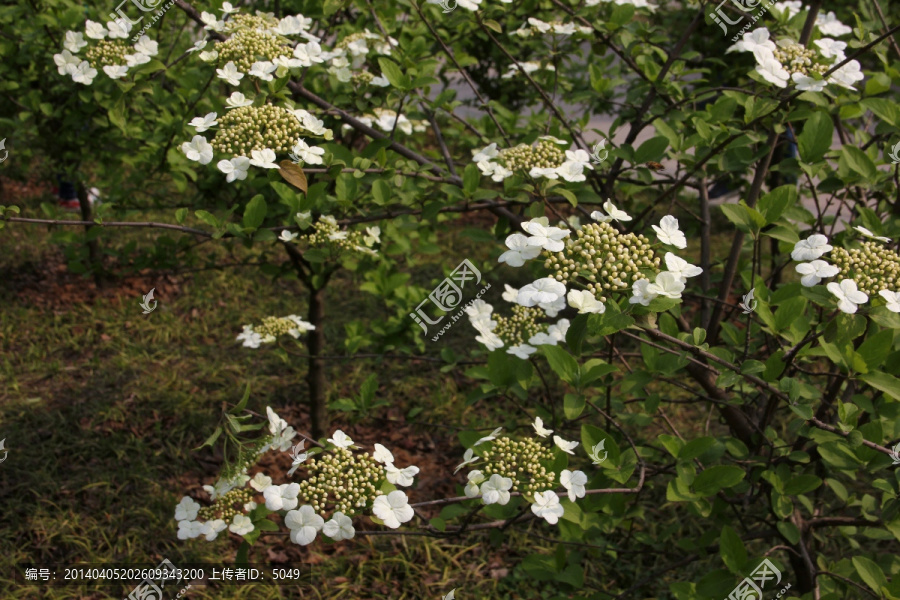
(242, 404)
(393, 73)
(181, 215)
(717, 478)
(501, 369)
(573, 406)
(652, 150)
(886, 110)
(117, 113)
(255, 213)
(732, 550)
(695, 448)
(876, 348)
(801, 484)
(608, 323)
(211, 439)
(888, 384)
(747, 219)
(857, 160)
(491, 24)
(381, 192)
(773, 204)
(562, 363)
(591, 436)
(471, 179)
(241, 556)
(207, 218)
(870, 573)
(815, 139)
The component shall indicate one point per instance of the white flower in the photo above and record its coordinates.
(282, 440)
(264, 158)
(300, 326)
(539, 427)
(489, 438)
(793, 7)
(585, 302)
(84, 73)
(115, 71)
(227, 8)
(382, 454)
(210, 56)
(282, 497)
(235, 168)
(201, 124)
(552, 308)
(489, 339)
(486, 153)
(563, 445)
(452, 594)
(304, 524)
(309, 155)
(138, 58)
(289, 26)
(393, 509)
(641, 293)
(869, 234)
(548, 172)
(758, 38)
(847, 75)
(479, 311)
(559, 330)
(187, 509)
(66, 62)
(830, 48)
(594, 454)
(230, 74)
(541, 291)
(147, 46)
(260, 482)
(667, 284)
(401, 477)
(340, 527)
(574, 482)
(496, 490)
(813, 272)
(372, 235)
(211, 22)
(250, 338)
(198, 46)
(380, 81)
(262, 70)
(95, 31)
(198, 149)
(542, 339)
(811, 248)
(241, 525)
(222, 487)
(468, 458)
(212, 528)
(341, 439)
(308, 54)
(848, 295)
(338, 235)
(469, 4)
(475, 478)
(828, 24)
(613, 214)
(189, 529)
(519, 250)
(893, 300)
(573, 171)
(287, 236)
(805, 83)
(680, 267)
(74, 41)
(522, 351)
(237, 100)
(546, 506)
(510, 293)
(772, 70)
(668, 232)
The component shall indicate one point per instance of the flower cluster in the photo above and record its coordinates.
(528, 67)
(785, 60)
(328, 234)
(271, 328)
(340, 482)
(387, 120)
(347, 59)
(542, 298)
(522, 462)
(545, 158)
(863, 272)
(113, 56)
(538, 27)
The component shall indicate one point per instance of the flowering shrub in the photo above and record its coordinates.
(703, 331)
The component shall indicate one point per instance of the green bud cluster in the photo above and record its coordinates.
(873, 267)
(274, 326)
(248, 46)
(342, 480)
(227, 506)
(604, 260)
(107, 53)
(361, 78)
(798, 59)
(242, 130)
(521, 462)
(257, 22)
(350, 39)
(544, 154)
(521, 326)
(349, 241)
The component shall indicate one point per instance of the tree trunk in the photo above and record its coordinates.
(315, 377)
(92, 246)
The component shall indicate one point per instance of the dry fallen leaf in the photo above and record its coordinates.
(293, 174)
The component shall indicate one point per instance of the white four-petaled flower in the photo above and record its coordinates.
(546, 506)
(669, 233)
(393, 509)
(574, 482)
(848, 295)
(564, 445)
(539, 427)
(519, 250)
(340, 527)
(198, 149)
(282, 497)
(893, 300)
(187, 509)
(585, 302)
(496, 490)
(341, 439)
(815, 271)
(811, 248)
(201, 124)
(544, 290)
(230, 73)
(264, 158)
(235, 168)
(304, 524)
(241, 525)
